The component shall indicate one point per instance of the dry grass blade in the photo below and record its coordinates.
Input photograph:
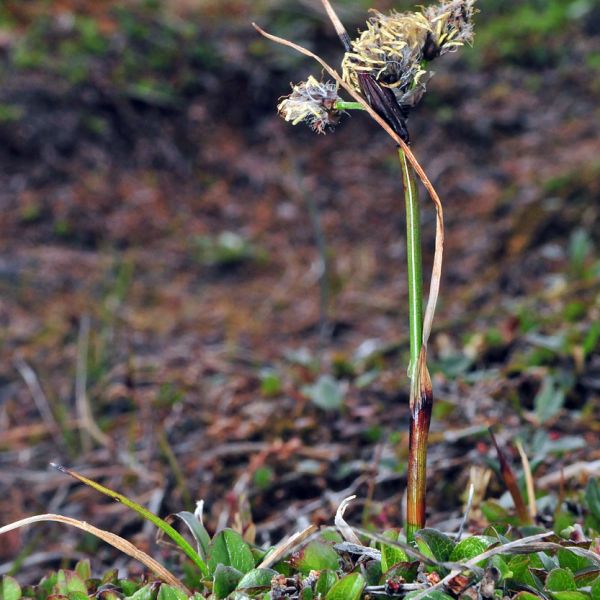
(179, 540)
(287, 546)
(465, 518)
(578, 469)
(436, 271)
(89, 429)
(337, 25)
(110, 538)
(40, 399)
(341, 525)
(528, 480)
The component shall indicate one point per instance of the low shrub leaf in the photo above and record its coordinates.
(228, 548)
(347, 588)
(434, 544)
(560, 580)
(10, 589)
(225, 580)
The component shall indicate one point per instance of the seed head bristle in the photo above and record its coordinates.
(451, 24)
(313, 102)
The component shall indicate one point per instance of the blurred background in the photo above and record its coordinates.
(200, 301)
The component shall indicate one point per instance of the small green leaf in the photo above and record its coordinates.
(84, 569)
(526, 596)
(331, 536)
(106, 595)
(391, 555)
(111, 576)
(520, 566)
(128, 587)
(47, 583)
(432, 595)
(68, 582)
(587, 577)
(592, 497)
(10, 589)
(347, 588)
(595, 591)
(580, 246)
(549, 400)
(257, 578)
(270, 383)
(79, 596)
(144, 593)
(592, 338)
(168, 592)
(471, 547)
(316, 556)
(560, 580)
(499, 563)
(75, 583)
(229, 549)
(434, 544)
(225, 580)
(326, 393)
(407, 571)
(570, 595)
(572, 561)
(549, 562)
(60, 587)
(197, 530)
(263, 477)
(372, 572)
(326, 581)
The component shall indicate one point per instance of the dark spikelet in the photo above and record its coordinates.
(394, 51)
(384, 103)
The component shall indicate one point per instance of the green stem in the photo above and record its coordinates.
(420, 398)
(414, 262)
(343, 105)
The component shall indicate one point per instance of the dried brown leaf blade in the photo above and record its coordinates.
(287, 546)
(110, 538)
(179, 540)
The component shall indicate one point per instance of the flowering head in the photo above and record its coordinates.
(451, 26)
(313, 102)
(390, 51)
(395, 48)
(388, 64)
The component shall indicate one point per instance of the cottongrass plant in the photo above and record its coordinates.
(386, 70)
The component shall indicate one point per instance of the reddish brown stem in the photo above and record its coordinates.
(510, 481)
(420, 418)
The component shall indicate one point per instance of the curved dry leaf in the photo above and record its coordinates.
(287, 546)
(343, 527)
(110, 538)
